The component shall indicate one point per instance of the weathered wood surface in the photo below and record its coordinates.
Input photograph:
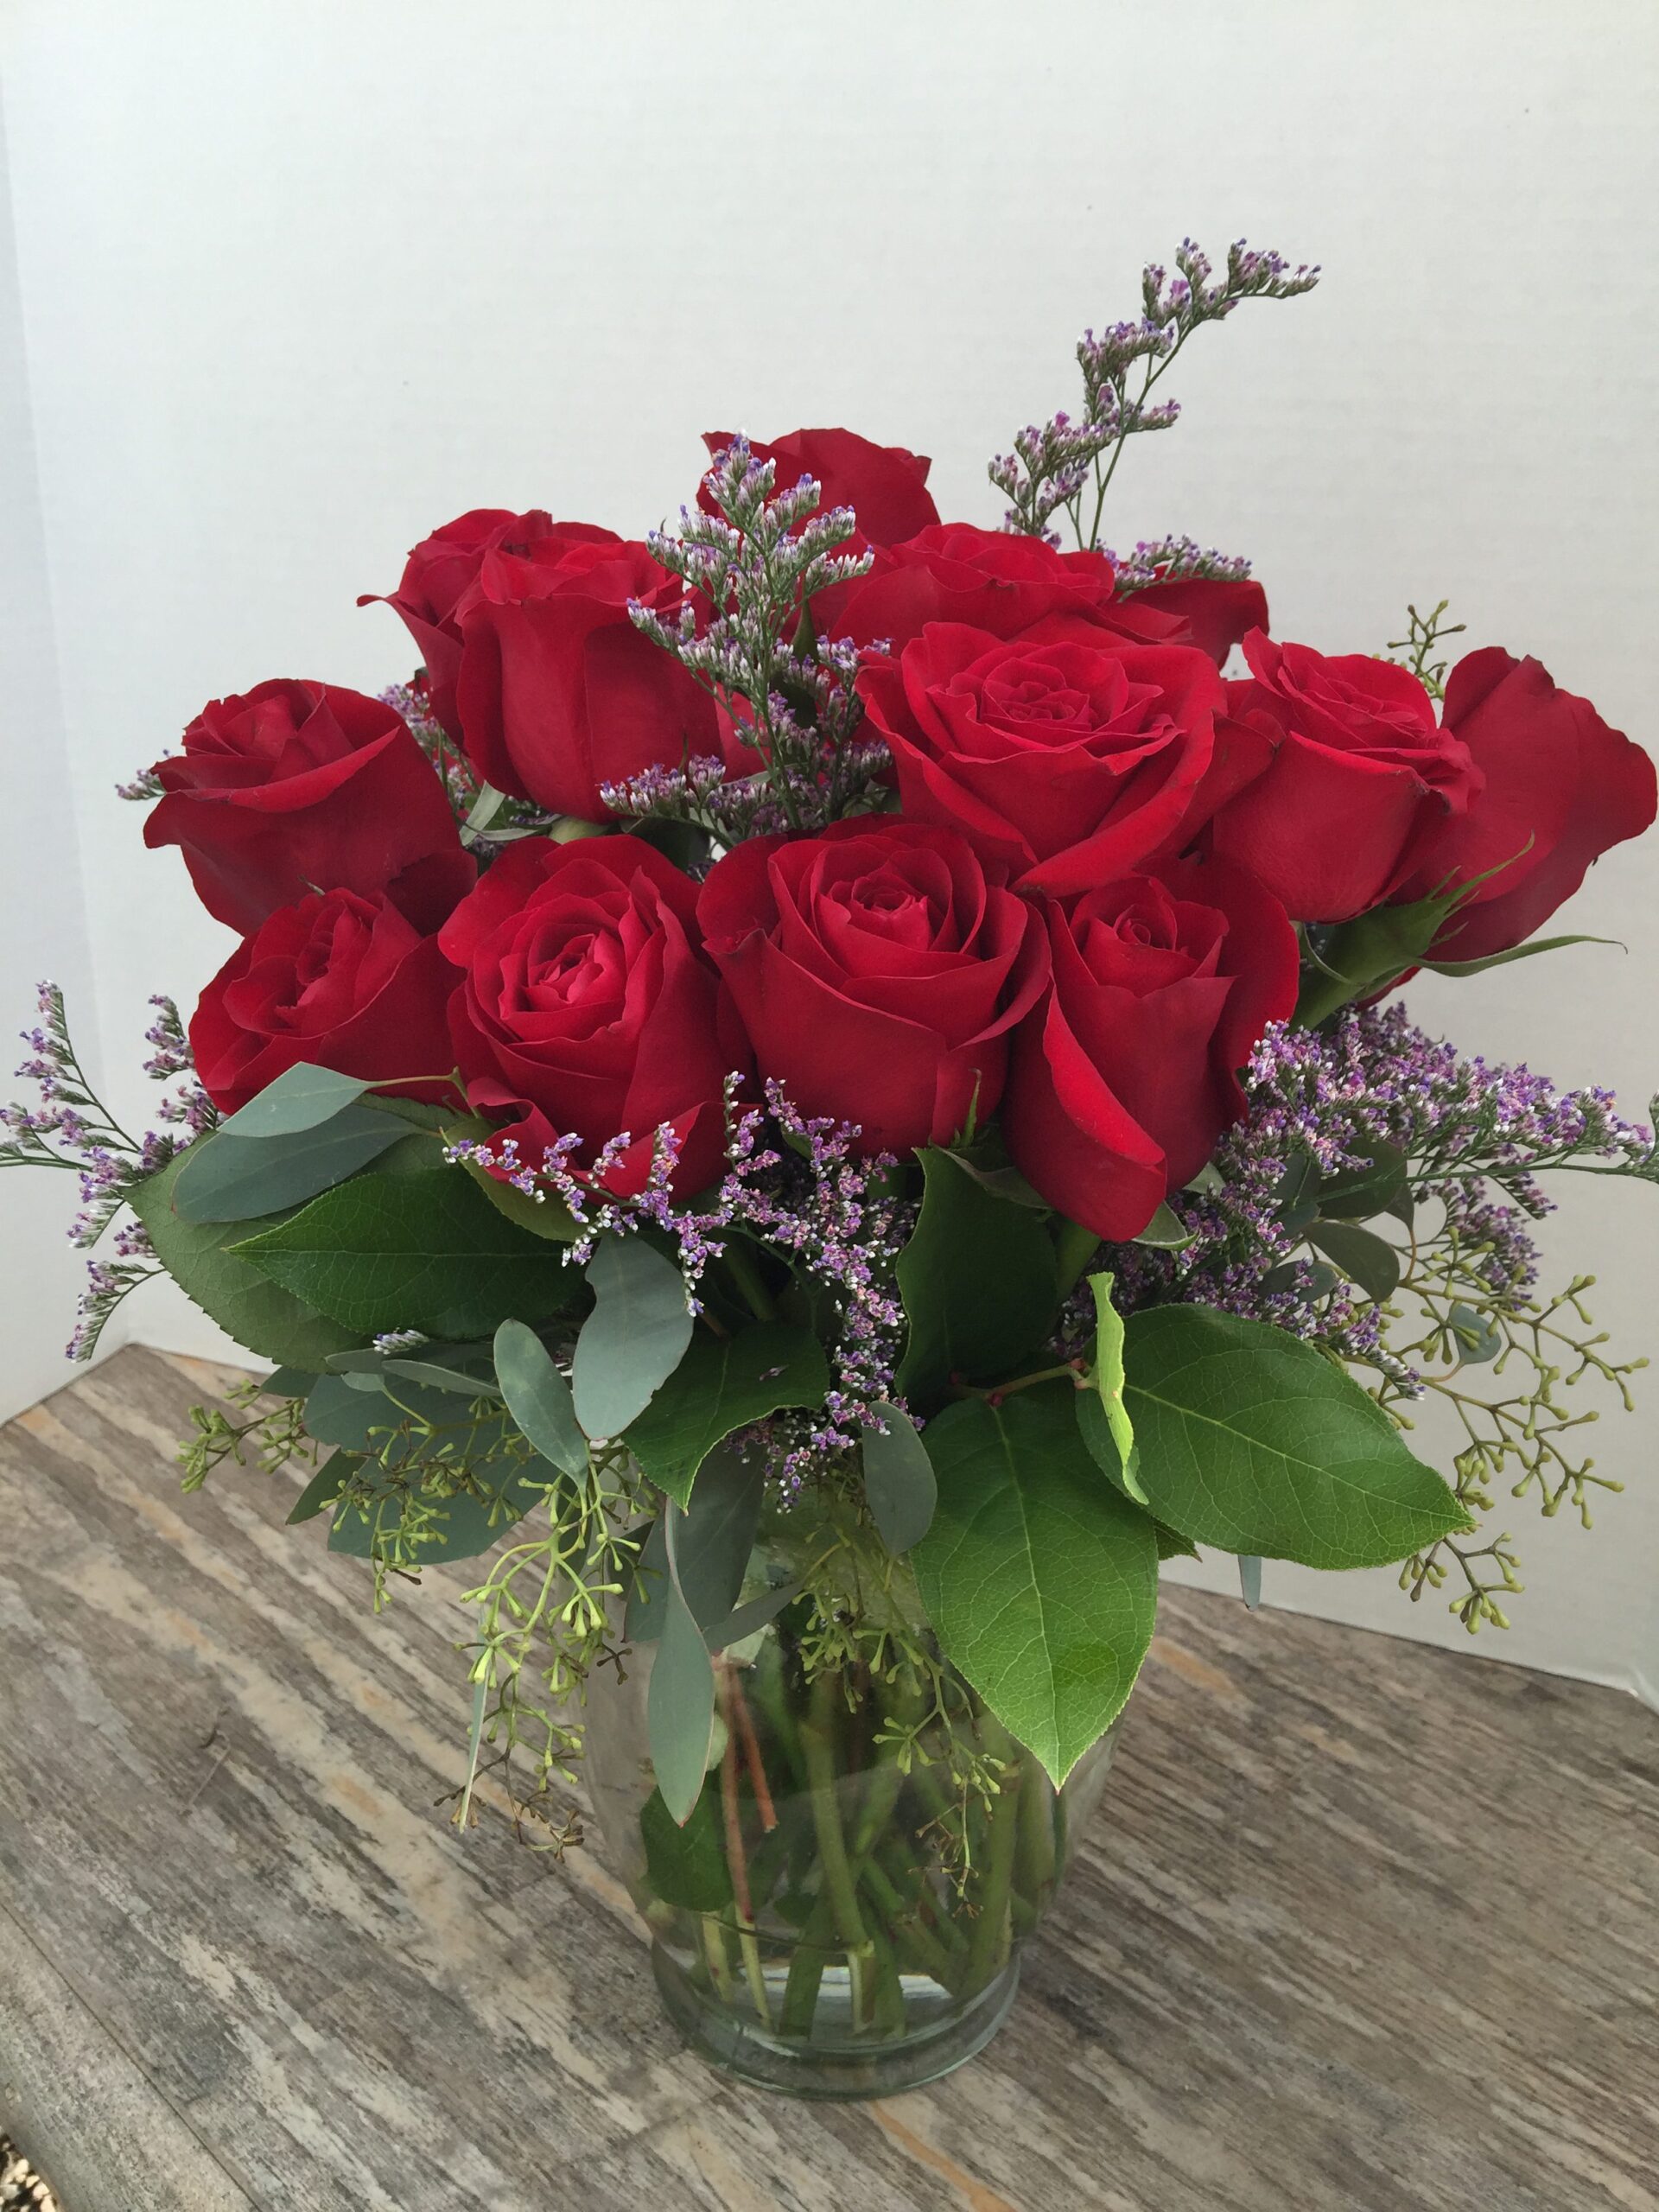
(1360, 1928)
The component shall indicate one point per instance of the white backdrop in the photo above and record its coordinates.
(299, 282)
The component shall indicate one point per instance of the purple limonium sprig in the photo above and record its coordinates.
(68, 1127)
(1176, 559)
(796, 1186)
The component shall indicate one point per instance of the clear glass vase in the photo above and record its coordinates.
(843, 1914)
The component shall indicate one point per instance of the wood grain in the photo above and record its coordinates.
(1361, 1926)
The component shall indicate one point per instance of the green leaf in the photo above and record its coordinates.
(686, 1866)
(546, 1216)
(715, 1537)
(455, 1379)
(899, 1479)
(1363, 1257)
(723, 1383)
(978, 1282)
(635, 1336)
(469, 1522)
(1172, 1545)
(754, 1613)
(1109, 1385)
(1516, 952)
(1358, 1193)
(680, 1700)
(538, 1397)
(287, 1382)
(1040, 1580)
(1165, 1231)
(1253, 1441)
(417, 1251)
(324, 1486)
(227, 1178)
(249, 1308)
(299, 1099)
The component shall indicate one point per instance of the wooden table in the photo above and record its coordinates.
(1361, 1926)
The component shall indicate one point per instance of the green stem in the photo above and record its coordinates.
(841, 1887)
(912, 1938)
(988, 1944)
(1034, 1856)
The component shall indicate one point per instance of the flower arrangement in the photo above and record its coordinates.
(820, 1092)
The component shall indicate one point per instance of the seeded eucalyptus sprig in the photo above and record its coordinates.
(1067, 464)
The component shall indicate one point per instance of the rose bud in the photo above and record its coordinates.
(1066, 763)
(297, 787)
(885, 486)
(557, 692)
(877, 972)
(1362, 778)
(1560, 787)
(587, 1007)
(1127, 1074)
(339, 981)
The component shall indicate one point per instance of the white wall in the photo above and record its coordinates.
(302, 281)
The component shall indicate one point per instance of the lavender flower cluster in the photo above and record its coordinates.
(1054, 464)
(1175, 559)
(794, 1185)
(749, 570)
(1468, 1128)
(68, 1127)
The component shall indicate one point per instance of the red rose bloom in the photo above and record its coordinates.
(587, 1008)
(885, 486)
(1007, 585)
(877, 972)
(441, 568)
(1560, 787)
(1215, 612)
(1362, 778)
(1067, 762)
(557, 692)
(1126, 1075)
(298, 787)
(339, 981)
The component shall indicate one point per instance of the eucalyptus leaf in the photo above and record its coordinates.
(723, 1383)
(300, 1097)
(633, 1339)
(1165, 1231)
(538, 1397)
(754, 1613)
(680, 1700)
(1363, 1257)
(1478, 1342)
(1253, 1441)
(226, 1178)
(467, 1523)
(324, 1486)
(1357, 1193)
(1040, 1580)
(899, 1479)
(287, 1382)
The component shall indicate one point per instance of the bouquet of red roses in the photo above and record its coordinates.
(822, 1088)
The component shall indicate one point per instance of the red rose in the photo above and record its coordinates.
(297, 787)
(558, 693)
(339, 981)
(1215, 614)
(1561, 788)
(443, 567)
(1126, 1076)
(878, 974)
(885, 486)
(1361, 779)
(587, 1008)
(1067, 762)
(1008, 585)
